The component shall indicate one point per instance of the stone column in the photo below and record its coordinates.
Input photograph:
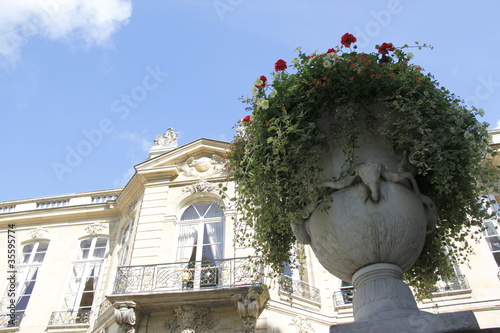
(125, 315)
(249, 306)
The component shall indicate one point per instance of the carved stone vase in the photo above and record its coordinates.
(374, 227)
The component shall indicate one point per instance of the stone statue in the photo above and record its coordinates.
(168, 139)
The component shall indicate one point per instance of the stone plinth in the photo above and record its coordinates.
(417, 322)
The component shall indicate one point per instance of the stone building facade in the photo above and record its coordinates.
(158, 255)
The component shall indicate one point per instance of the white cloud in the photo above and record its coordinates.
(497, 125)
(90, 21)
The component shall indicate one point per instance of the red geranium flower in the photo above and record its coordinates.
(331, 51)
(280, 65)
(264, 80)
(385, 48)
(246, 119)
(347, 40)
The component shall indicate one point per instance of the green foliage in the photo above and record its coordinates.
(275, 153)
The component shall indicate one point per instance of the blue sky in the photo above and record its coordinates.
(100, 78)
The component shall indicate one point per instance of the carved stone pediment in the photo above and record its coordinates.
(204, 166)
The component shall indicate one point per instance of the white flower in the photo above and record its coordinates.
(410, 55)
(263, 103)
(259, 82)
(254, 91)
(273, 93)
(298, 48)
(327, 64)
(295, 60)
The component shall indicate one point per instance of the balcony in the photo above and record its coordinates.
(300, 288)
(343, 298)
(6, 320)
(70, 317)
(458, 282)
(167, 285)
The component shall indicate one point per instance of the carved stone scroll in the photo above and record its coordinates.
(249, 307)
(200, 187)
(125, 316)
(191, 319)
(38, 233)
(95, 228)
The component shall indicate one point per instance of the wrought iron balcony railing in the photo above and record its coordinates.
(300, 288)
(221, 273)
(344, 296)
(105, 304)
(458, 282)
(69, 317)
(6, 320)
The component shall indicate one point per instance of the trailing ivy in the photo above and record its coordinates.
(274, 157)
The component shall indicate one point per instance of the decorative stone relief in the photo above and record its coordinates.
(203, 166)
(200, 187)
(191, 319)
(131, 209)
(248, 308)
(125, 316)
(38, 233)
(169, 139)
(95, 228)
(302, 325)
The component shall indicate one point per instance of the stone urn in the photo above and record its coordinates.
(373, 229)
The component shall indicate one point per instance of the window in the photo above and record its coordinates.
(31, 259)
(125, 239)
(85, 277)
(298, 268)
(200, 244)
(492, 236)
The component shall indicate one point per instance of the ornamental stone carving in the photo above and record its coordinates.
(169, 139)
(204, 166)
(249, 307)
(200, 187)
(125, 316)
(38, 233)
(302, 325)
(95, 228)
(130, 213)
(191, 319)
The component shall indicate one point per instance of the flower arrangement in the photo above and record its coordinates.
(275, 152)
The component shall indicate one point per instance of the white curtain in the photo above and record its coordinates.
(215, 235)
(187, 241)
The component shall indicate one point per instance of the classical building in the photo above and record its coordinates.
(159, 255)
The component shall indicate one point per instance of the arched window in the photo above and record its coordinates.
(200, 243)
